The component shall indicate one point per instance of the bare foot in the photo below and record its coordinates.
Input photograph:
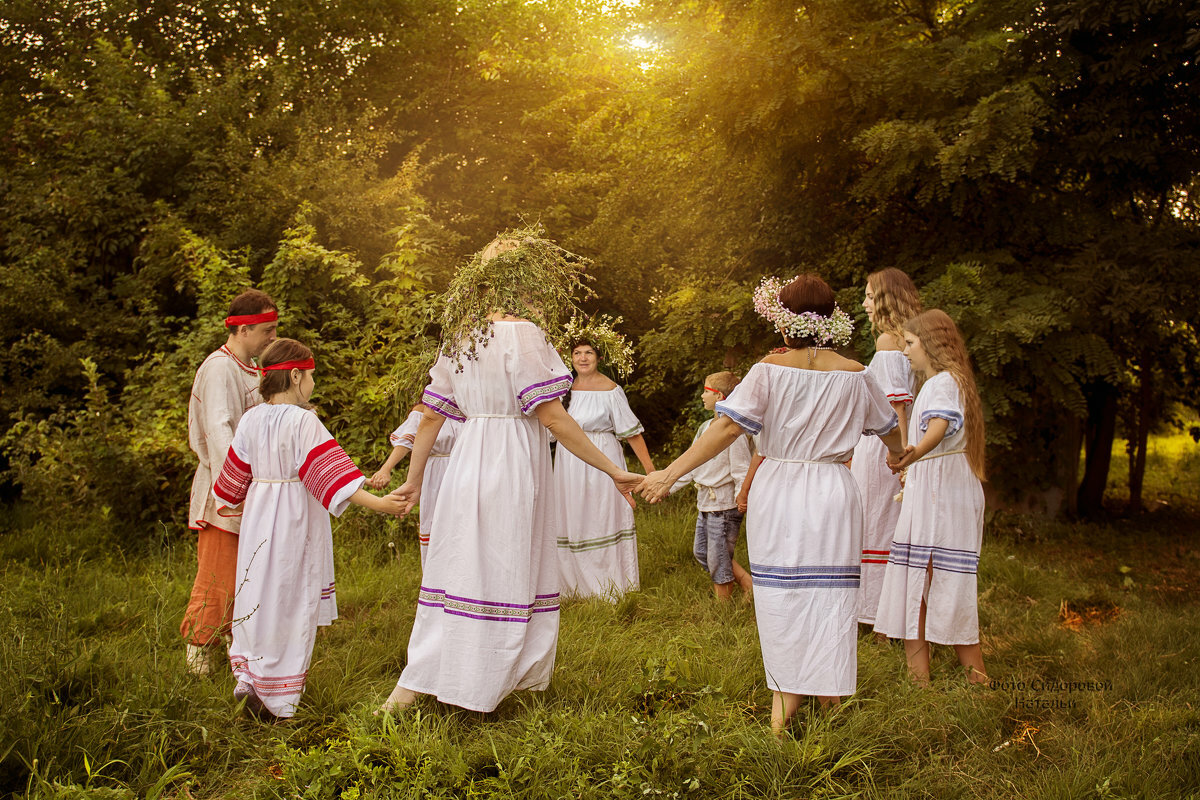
(397, 701)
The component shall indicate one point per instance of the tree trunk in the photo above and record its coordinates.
(1099, 430)
(1137, 450)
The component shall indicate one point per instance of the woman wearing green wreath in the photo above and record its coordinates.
(597, 550)
(487, 614)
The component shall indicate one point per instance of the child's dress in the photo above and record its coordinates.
(597, 550)
(435, 467)
(804, 524)
(292, 475)
(878, 485)
(941, 523)
(487, 613)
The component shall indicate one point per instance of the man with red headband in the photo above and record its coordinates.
(226, 386)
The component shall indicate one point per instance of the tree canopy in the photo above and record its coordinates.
(1032, 165)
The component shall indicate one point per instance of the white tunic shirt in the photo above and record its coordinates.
(225, 388)
(719, 479)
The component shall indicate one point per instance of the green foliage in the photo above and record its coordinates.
(528, 276)
(1036, 161)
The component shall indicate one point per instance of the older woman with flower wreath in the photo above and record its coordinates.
(809, 407)
(597, 549)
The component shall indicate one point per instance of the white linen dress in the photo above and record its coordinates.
(435, 467)
(291, 475)
(487, 614)
(804, 522)
(941, 524)
(878, 485)
(597, 551)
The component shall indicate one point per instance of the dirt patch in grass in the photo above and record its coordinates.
(1076, 614)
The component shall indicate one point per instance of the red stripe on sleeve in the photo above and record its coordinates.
(234, 481)
(327, 469)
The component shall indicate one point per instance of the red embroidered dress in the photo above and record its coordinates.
(292, 475)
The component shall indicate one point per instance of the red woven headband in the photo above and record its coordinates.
(253, 319)
(307, 363)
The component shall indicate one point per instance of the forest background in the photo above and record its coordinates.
(1033, 165)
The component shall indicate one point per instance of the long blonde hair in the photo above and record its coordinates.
(896, 300)
(947, 352)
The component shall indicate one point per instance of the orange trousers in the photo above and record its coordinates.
(210, 608)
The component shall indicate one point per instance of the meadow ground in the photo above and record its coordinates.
(1090, 634)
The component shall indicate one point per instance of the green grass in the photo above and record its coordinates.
(659, 695)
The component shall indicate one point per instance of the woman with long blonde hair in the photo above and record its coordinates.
(930, 586)
(890, 298)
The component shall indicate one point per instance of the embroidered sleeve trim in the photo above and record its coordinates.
(747, 424)
(537, 393)
(443, 405)
(234, 480)
(886, 429)
(326, 470)
(953, 417)
(634, 431)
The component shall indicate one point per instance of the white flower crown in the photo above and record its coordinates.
(836, 328)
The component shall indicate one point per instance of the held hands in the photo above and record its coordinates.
(898, 461)
(392, 505)
(655, 486)
(409, 494)
(379, 479)
(743, 501)
(627, 483)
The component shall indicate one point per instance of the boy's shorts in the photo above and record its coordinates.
(716, 535)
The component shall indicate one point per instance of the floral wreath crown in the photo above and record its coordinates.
(611, 347)
(836, 328)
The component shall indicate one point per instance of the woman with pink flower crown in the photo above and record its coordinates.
(809, 407)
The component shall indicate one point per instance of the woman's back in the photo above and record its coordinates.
(807, 415)
(505, 379)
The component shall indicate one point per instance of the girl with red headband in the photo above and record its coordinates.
(291, 474)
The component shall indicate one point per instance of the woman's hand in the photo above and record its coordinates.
(379, 479)
(901, 460)
(409, 494)
(743, 501)
(655, 486)
(627, 483)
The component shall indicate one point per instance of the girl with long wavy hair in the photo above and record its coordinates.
(930, 586)
(890, 299)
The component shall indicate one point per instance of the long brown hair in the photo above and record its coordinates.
(896, 300)
(278, 381)
(947, 352)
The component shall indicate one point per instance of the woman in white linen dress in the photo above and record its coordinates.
(889, 299)
(487, 615)
(597, 550)
(809, 407)
(435, 468)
